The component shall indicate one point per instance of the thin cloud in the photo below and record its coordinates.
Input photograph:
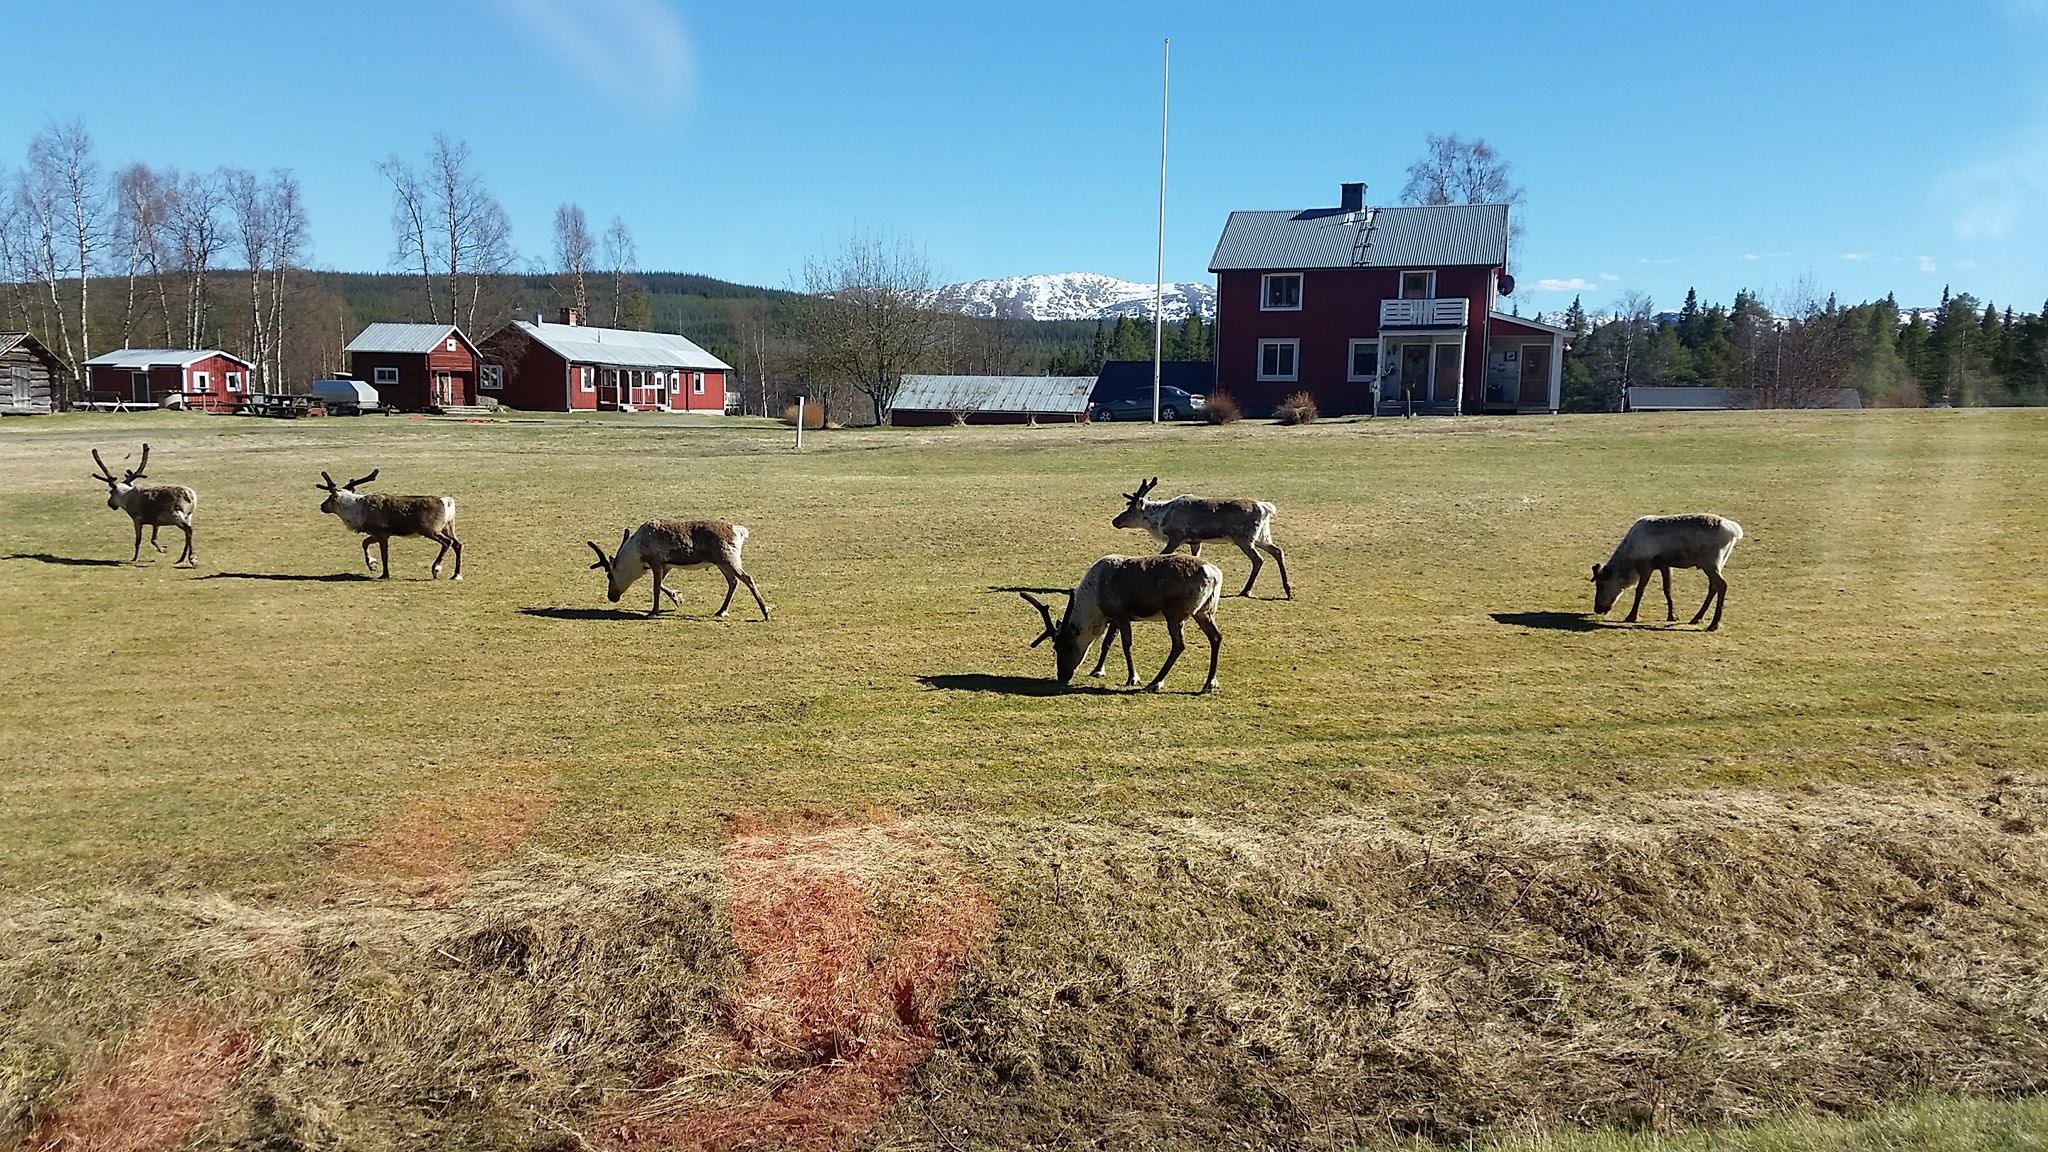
(1993, 195)
(1574, 284)
(1927, 264)
(1658, 260)
(1756, 257)
(1856, 257)
(632, 50)
(1609, 276)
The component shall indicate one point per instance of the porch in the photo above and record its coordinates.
(1419, 372)
(1524, 365)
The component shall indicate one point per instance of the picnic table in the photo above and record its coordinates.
(284, 406)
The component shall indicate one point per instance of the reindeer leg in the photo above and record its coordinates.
(187, 556)
(658, 590)
(732, 585)
(669, 592)
(439, 556)
(367, 562)
(749, 582)
(1280, 558)
(457, 545)
(1171, 546)
(137, 558)
(1102, 661)
(1172, 654)
(1720, 587)
(152, 539)
(1258, 562)
(1209, 629)
(1194, 547)
(1130, 669)
(1642, 582)
(384, 551)
(1670, 613)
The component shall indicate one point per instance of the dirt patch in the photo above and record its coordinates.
(852, 938)
(432, 844)
(156, 1089)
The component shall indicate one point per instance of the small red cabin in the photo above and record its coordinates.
(1378, 309)
(204, 378)
(572, 366)
(415, 367)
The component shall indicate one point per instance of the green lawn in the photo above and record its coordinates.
(234, 732)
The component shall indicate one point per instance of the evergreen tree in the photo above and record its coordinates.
(1192, 342)
(1575, 320)
(1129, 341)
(1100, 352)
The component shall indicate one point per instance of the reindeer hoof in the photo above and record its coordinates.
(1211, 686)
(1152, 687)
(1098, 673)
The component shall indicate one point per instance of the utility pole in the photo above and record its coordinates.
(1159, 272)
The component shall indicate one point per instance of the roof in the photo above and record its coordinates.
(1433, 236)
(583, 344)
(1062, 394)
(153, 357)
(1124, 376)
(382, 337)
(1526, 322)
(350, 387)
(1688, 399)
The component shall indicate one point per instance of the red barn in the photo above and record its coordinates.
(1377, 309)
(572, 366)
(416, 367)
(205, 378)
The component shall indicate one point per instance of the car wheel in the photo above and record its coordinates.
(1104, 415)
(1169, 412)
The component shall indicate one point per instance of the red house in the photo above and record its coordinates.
(1378, 309)
(204, 378)
(571, 366)
(415, 367)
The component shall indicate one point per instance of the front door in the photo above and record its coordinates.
(138, 387)
(1415, 372)
(1535, 376)
(444, 389)
(608, 390)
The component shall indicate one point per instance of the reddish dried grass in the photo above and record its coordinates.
(156, 1089)
(429, 848)
(853, 938)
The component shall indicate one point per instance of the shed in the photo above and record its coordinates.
(928, 401)
(206, 378)
(415, 367)
(32, 379)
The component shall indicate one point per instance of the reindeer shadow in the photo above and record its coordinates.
(588, 614)
(68, 561)
(1014, 685)
(292, 577)
(1553, 621)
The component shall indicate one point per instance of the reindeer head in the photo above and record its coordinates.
(332, 505)
(1608, 583)
(118, 488)
(1069, 646)
(620, 569)
(1133, 515)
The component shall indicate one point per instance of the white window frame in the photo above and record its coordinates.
(696, 383)
(1294, 348)
(490, 377)
(234, 381)
(202, 381)
(1265, 291)
(1430, 289)
(453, 346)
(587, 382)
(384, 377)
(1351, 360)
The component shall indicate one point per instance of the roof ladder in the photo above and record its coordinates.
(1361, 245)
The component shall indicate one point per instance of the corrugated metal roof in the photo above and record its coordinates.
(385, 337)
(1418, 237)
(150, 357)
(627, 349)
(1048, 394)
(9, 339)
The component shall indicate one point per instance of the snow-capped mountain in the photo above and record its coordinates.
(1072, 296)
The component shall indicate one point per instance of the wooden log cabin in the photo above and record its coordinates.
(32, 380)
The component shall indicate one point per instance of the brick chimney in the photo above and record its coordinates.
(1353, 199)
(571, 317)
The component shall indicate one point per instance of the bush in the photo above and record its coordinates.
(814, 415)
(1299, 408)
(1221, 408)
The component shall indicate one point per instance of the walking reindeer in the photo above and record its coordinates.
(658, 545)
(379, 518)
(1120, 589)
(1190, 520)
(150, 506)
(1660, 543)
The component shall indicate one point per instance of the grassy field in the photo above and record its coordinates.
(1443, 857)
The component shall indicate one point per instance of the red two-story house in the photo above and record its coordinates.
(1378, 309)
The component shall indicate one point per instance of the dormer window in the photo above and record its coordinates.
(1280, 292)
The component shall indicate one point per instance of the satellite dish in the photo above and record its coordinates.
(1507, 284)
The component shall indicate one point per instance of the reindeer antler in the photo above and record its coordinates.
(603, 561)
(138, 471)
(105, 472)
(351, 485)
(1144, 486)
(327, 484)
(1044, 611)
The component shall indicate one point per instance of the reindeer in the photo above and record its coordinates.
(1120, 589)
(659, 545)
(151, 506)
(379, 518)
(1659, 544)
(1190, 520)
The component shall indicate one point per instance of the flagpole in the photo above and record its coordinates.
(1159, 272)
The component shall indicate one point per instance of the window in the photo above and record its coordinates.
(234, 381)
(1418, 285)
(491, 377)
(385, 377)
(697, 383)
(588, 381)
(1365, 360)
(1280, 292)
(202, 382)
(1276, 359)
(453, 346)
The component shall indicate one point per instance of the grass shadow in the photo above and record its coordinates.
(1012, 685)
(291, 577)
(1552, 621)
(585, 614)
(68, 561)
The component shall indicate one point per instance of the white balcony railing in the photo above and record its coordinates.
(1451, 312)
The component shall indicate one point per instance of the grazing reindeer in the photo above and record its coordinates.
(1190, 520)
(151, 506)
(1120, 589)
(1659, 544)
(659, 545)
(379, 518)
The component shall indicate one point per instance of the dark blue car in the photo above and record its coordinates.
(1174, 404)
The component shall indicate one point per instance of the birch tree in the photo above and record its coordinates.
(619, 256)
(61, 160)
(572, 252)
(38, 202)
(867, 315)
(199, 237)
(409, 213)
(141, 230)
(288, 240)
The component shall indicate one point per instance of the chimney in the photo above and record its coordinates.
(1353, 199)
(571, 317)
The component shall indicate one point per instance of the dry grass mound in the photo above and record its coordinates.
(813, 415)
(154, 1092)
(1300, 408)
(1221, 408)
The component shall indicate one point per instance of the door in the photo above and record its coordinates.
(608, 390)
(1535, 391)
(1414, 373)
(444, 389)
(138, 387)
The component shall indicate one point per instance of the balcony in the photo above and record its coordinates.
(1435, 313)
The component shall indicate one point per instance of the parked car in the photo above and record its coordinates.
(1174, 404)
(344, 396)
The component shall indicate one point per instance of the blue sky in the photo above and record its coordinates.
(1868, 146)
